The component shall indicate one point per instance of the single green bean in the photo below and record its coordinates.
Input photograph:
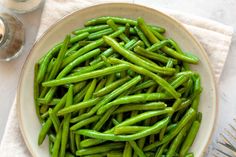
(189, 139)
(56, 146)
(127, 150)
(128, 129)
(99, 149)
(141, 107)
(84, 123)
(103, 20)
(86, 76)
(77, 107)
(99, 34)
(54, 119)
(111, 87)
(91, 29)
(66, 124)
(36, 92)
(89, 94)
(137, 150)
(88, 68)
(72, 142)
(176, 143)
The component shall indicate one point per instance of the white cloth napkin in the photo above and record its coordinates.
(215, 38)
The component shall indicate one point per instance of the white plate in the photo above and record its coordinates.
(29, 123)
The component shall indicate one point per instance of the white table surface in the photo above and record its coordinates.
(219, 10)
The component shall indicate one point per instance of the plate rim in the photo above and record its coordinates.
(203, 52)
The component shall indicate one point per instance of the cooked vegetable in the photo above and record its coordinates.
(117, 87)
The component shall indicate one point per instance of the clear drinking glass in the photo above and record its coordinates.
(22, 6)
(11, 37)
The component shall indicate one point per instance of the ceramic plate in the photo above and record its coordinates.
(29, 123)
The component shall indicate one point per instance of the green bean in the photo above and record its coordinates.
(69, 155)
(122, 36)
(86, 76)
(169, 51)
(187, 117)
(51, 53)
(100, 85)
(78, 61)
(157, 34)
(109, 97)
(128, 129)
(77, 107)
(189, 139)
(143, 71)
(52, 137)
(142, 107)
(84, 123)
(133, 58)
(77, 141)
(88, 47)
(103, 20)
(100, 33)
(110, 87)
(110, 79)
(144, 85)
(177, 141)
(103, 119)
(54, 119)
(135, 99)
(127, 150)
(127, 29)
(65, 126)
(72, 142)
(138, 43)
(80, 95)
(137, 150)
(45, 127)
(88, 68)
(158, 29)
(114, 154)
(56, 146)
(99, 149)
(105, 136)
(91, 29)
(152, 55)
(36, 92)
(89, 94)
(158, 45)
(160, 150)
(72, 49)
(42, 101)
(142, 36)
(106, 53)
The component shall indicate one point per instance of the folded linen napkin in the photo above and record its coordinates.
(208, 32)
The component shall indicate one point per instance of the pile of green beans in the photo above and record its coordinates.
(117, 87)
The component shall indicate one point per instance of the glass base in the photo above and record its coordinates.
(22, 6)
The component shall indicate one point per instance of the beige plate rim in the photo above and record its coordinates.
(91, 7)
